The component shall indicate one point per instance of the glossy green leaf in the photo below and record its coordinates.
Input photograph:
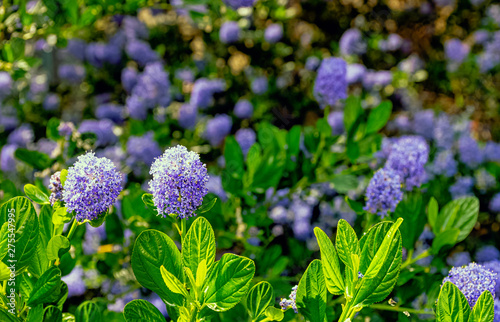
(64, 174)
(6, 316)
(380, 263)
(274, 314)
(39, 262)
(484, 309)
(61, 216)
(35, 159)
(347, 245)
(52, 314)
(4, 272)
(311, 293)
(234, 157)
(432, 211)
(259, 298)
(227, 282)
(452, 306)
(88, 311)
(58, 246)
(446, 238)
(352, 111)
(331, 266)
(460, 213)
(20, 213)
(140, 311)
(35, 194)
(207, 205)
(47, 285)
(4, 238)
(411, 209)
(378, 117)
(147, 198)
(173, 283)
(198, 245)
(152, 250)
(45, 224)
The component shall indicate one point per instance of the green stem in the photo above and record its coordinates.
(399, 309)
(416, 259)
(183, 229)
(72, 229)
(346, 312)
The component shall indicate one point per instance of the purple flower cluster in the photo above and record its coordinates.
(179, 182)
(187, 116)
(142, 151)
(458, 259)
(92, 186)
(331, 83)
(290, 302)
(273, 33)
(444, 164)
(376, 79)
(336, 122)
(243, 109)
(203, 91)
(355, 73)
(113, 112)
(141, 52)
(469, 152)
(55, 187)
(443, 132)
(236, 4)
(408, 156)
(423, 123)
(5, 84)
(229, 32)
(103, 129)
(72, 73)
(472, 280)
(351, 43)
(487, 253)
(259, 85)
(245, 138)
(218, 128)
(462, 187)
(495, 203)
(384, 192)
(455, 50)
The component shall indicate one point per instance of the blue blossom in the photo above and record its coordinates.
(66, 129)
(245, 138)
(142, 151)
(469, 152)
(38, 85)
(51, 102)
(330, 84)
(134, 28)
(7, 160)
(273, 33)
(236, 4)
(98, 54)
(462, 187)
(5, 84)
(351, 43)
(279, 214)
(8, 118)
(76, 47)
(214, 185)
(312, 63)
(423, 123)
(444, 164)
(487, 253)
(71, 73)
(384, 192)
(229, 32)
(179, 182)
(115, 153)
(103, 129)
(259, 85)
(92, 239)
(290, 302)
(336, 122)
(217, 129)
(243, 109)
(376, 79)
(55, 187)
(455, 50)
(443, 132)
(141, 52)
(484, 180)
(408, 156)
(187, 116)
(492, 151)
(355, 73)
(136, 108)
(111, 111)
(92, 186)
(411, 64)
(129, 78)
(203, 91)
(185, 75)
(75, 282)
(494, 266)
(472, 280)
(458, 259)
(21, 136)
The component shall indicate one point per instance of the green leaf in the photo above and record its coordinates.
(446, 238)
(147, 198)
(201, 273)
(207, 205)
(483, 310)
(352, 111)
(411, 210)
(330, 260)
(47, 285)
(380, 262)
(88, 311)
(39, 262)
(35, 159)
(234, 157)
(347, 245)
(452, 306)
(35, 314)
(345, 182)
(140, 311)
(378, 117)
(259, 298)
(173, 283)
(45, 224)
(198, 245)
(152, 250)
(4, 272)
(23, 220)
(274, 314)
(52, 131)
(311, 293)
(461, 214)
(4, 238)
(61, 216)
(52, 314)
(5, 316)
(432, 211)
(228, 282)
(35, 194)
(64, 174)
(58, 246)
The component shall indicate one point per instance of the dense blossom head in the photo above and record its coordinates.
(384, 192)
(259, 85)
(98, 54)
(243, 109)
(351, 43)
(236, 4)
(462, 187)
(134, 28)
(472, 280)
(113, 112)
(229, 32)
(273, 33)
(469, 152)
(336, 122)
(76, 47)
(141, 52)
(51, 102)
(21, 136)
(487, 253)
(187, 116)
(492, 151)
(92, 186)
(443, 132)
(71, 73)
(494, 266)
(330, 84)
(55, 187)
(7, 160)
(312, 63)
(218, 128)
(408, 156)
(129, 78)
(423, 123)
(142, 150)
(455, 50)
(75, 282)
(103, 129)
(376, 79)
(355, 73)
(203, 91)
(246, 138)
(290, 302)
(444, 164)
(495, 203)
(179, 182)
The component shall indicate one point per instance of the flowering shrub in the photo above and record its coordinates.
(322, 161)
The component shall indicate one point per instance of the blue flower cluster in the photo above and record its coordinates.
(290, 302)
(331, 83)
(92, 186)
(55, 187)
(179, 182)
(384, 192)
